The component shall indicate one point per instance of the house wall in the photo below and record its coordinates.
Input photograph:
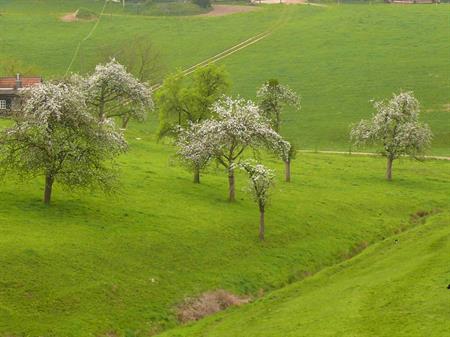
(9, 103)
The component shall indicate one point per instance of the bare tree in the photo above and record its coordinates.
(140, 56)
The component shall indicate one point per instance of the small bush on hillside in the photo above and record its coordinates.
(86, 14)
(207, 304)
(203, 3)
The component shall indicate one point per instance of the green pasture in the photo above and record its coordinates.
(95, 265)
(91, 263)
(338, 57)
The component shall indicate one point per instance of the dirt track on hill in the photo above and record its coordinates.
(221, 10)
(365, 154)
(288, 2)
(70, 17)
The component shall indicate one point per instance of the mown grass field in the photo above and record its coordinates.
(93, 264)
(341, 57)
(395, 288)
(338, 58)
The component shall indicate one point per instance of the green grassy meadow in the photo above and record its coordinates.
(95, 265)
(90, 264)
(338, 58)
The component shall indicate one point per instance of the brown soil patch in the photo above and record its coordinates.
(282, 1)
(70, 17)
(221, 10)
(446, 107)
(207, 304)
(420, 217)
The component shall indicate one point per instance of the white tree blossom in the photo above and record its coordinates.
(261, 180)
(55, 136)
(396, 127)
(113, 92)
(192, 151)
(273, 97)
(238, 126)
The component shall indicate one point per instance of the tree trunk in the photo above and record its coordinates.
(277, 122)
(390, 160)
(287, 166)
(231, 187)
(261, 223)
(196, 176)
(125, 120)
(101, 106)
(48, 189)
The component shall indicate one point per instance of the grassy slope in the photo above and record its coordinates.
(388, 290)
(183, 41)
(346, 55)
(65, 274)
(338, 57)
(86, 264)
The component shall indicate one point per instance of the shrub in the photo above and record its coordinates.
(203, 3)
(86, 14)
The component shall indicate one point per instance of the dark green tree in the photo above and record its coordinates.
(203, 3)
(180, 102)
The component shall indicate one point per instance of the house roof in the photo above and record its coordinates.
(10, 82)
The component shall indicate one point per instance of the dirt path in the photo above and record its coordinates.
(288, 2)
(228, 52)
(295, 2)
(365, 154)
(221, 10)
(234, 49)
(70, 17)
(87, 37)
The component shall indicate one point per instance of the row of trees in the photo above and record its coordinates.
(237, 127)
(210, 126)
(225, 130)
(188, 112)
(65, 131)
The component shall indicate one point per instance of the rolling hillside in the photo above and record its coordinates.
(95, 265)
(91, 263)
(395, 288)
(338, 57)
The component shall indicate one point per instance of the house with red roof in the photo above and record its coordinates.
(10, 88)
